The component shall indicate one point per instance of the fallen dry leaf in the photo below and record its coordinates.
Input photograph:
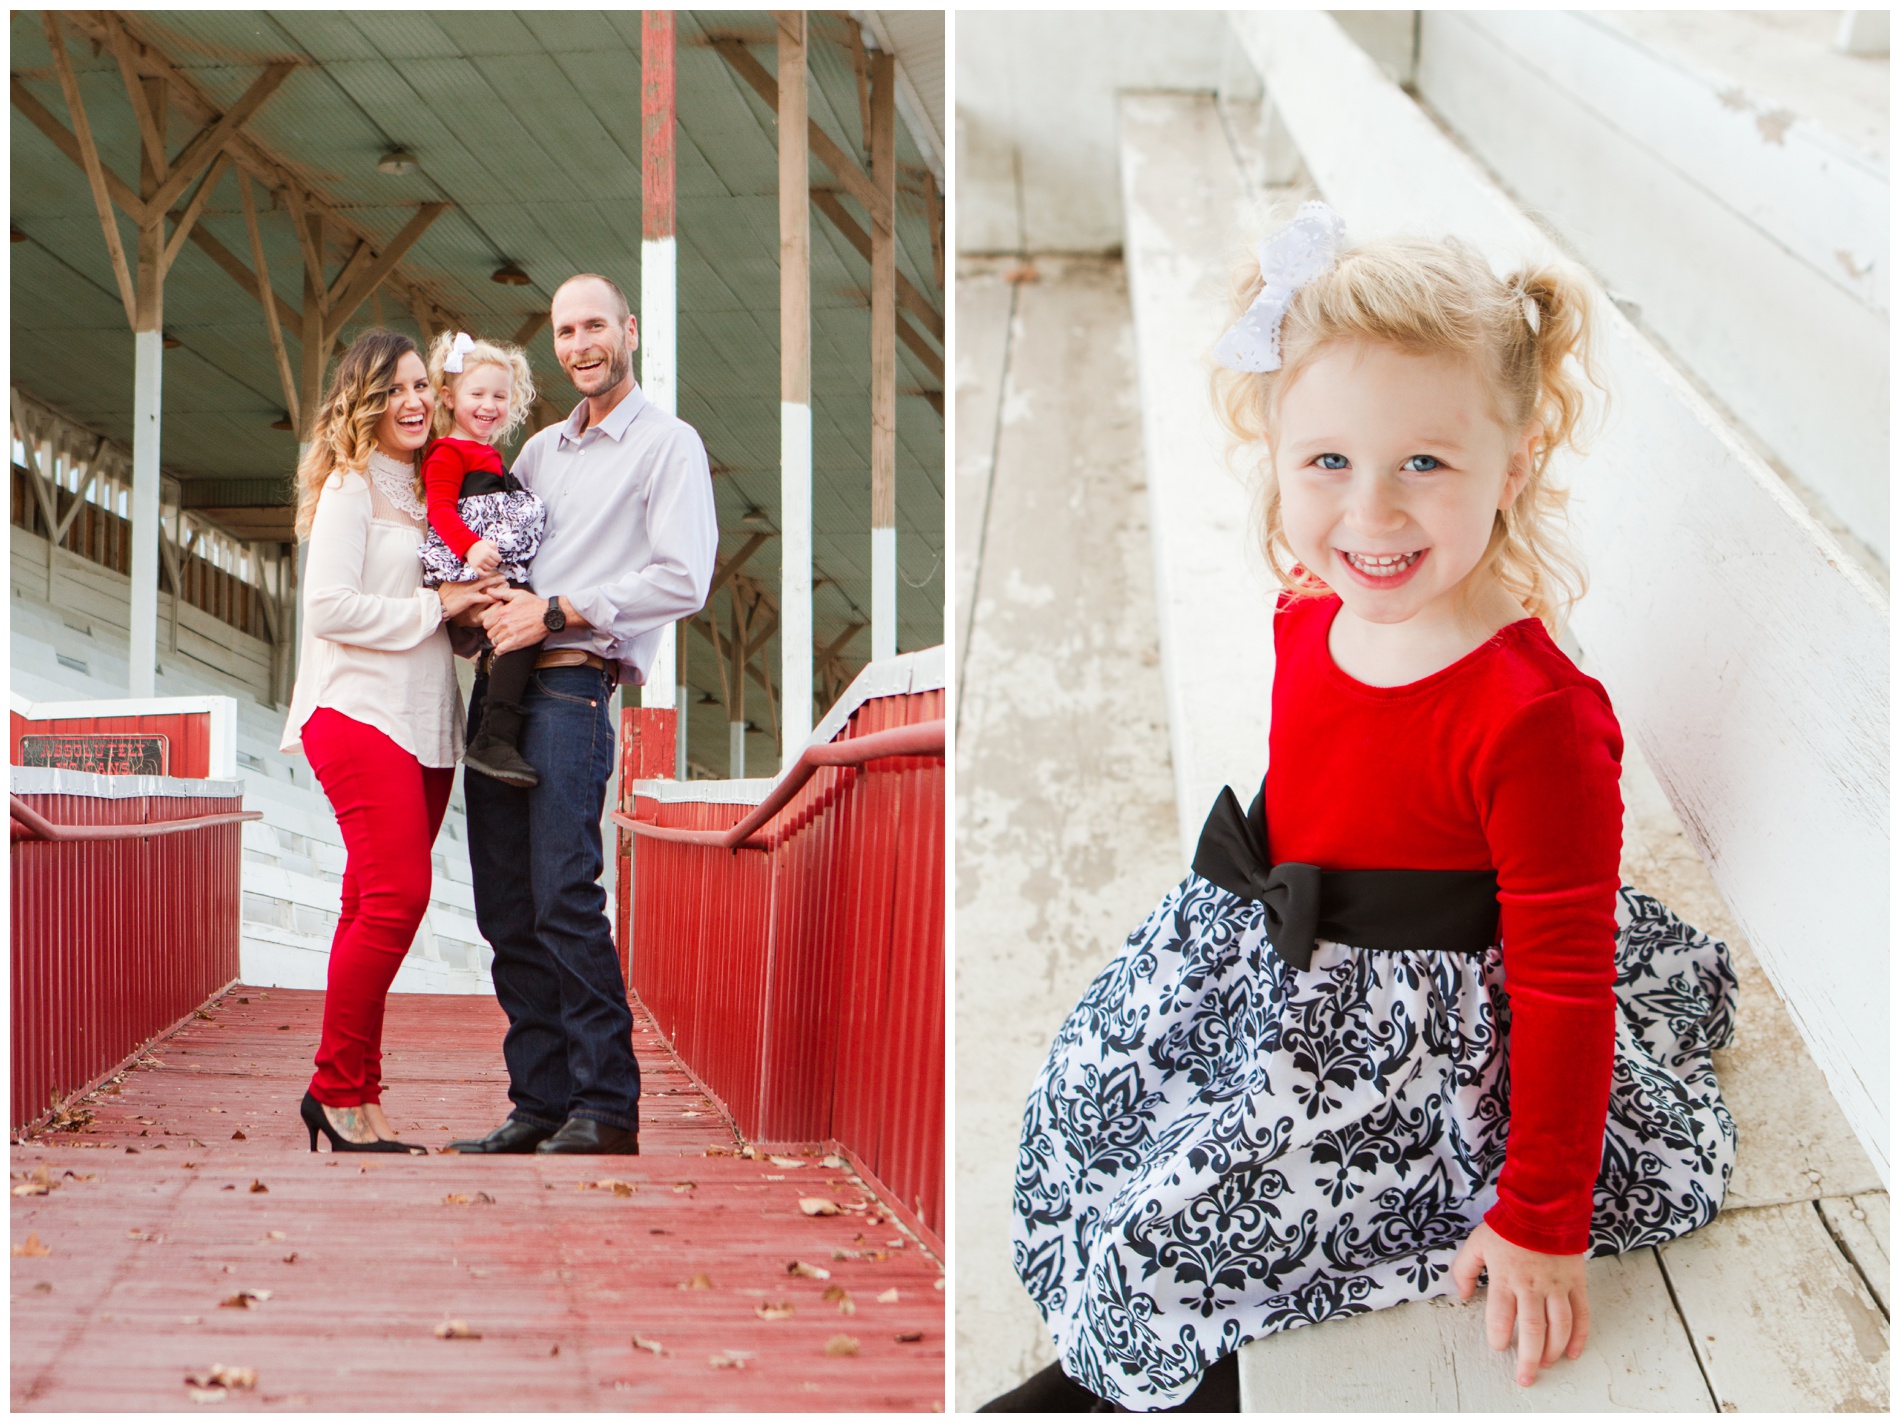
(835, 1162)
(619, 1188)
(80, 1175)
(258, 1188)
(31, 1248)
(455, 1329)
(783, 1309)
(554, 1351)
(31, 1188)
(720, 1151)
(909, 1336)
(227, 1188)
(206, 1395)
(789, 1161)
(888, 1296)
(841, 1346)
(275, 1235)
(817, 1205)
(291, 1258)
(223, 1376)
(680, 1186)
(652, 1346)
(810, 1272)
(244, 1299)
(239, 1136)
(698, 1282)
(731, 1359)
(938, 1286)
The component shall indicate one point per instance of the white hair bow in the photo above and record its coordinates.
(464, 343)
(1302, 251)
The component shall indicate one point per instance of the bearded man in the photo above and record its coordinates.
(629, 548)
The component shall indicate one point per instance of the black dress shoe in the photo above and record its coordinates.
(583, 1136)
(513, 1137)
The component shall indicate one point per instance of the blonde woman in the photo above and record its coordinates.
(375, 707)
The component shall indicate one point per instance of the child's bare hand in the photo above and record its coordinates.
(1541, 1298)
(483, 558)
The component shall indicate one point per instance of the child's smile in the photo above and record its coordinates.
(481, 401)
(1392, 468)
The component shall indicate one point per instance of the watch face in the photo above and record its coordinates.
(554, 617)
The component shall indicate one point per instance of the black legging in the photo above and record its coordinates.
(1053, 1391)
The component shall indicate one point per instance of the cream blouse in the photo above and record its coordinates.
(374, 646)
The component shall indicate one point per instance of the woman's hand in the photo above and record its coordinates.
(463, 602)
(1542, 1298)
(483, 557)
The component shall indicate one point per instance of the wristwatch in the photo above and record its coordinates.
(554, 618)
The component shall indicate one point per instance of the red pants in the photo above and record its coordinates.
(390, 807)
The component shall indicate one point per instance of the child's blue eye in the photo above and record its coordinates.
(1325, 462)
(1422, 464)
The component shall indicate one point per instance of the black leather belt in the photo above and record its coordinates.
(1455, 911)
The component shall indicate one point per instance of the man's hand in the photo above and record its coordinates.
(517, 619)
(464, 603)
(1541, 1297)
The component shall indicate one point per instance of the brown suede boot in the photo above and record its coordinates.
(492, 751)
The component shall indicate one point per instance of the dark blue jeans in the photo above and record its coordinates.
(536, 859)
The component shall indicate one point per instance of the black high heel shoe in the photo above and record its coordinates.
(313, 1117)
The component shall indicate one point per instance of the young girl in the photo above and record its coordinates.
(1403, 1024)
(481, 520)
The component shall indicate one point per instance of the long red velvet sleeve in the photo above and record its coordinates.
(1553, 815)
(447, 463)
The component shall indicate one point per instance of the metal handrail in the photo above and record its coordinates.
(38, 827)
(924, 738)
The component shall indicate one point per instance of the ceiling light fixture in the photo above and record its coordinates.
(754, 515)
(170, 342)
(397, 161)
(509, 275)
(282, 422)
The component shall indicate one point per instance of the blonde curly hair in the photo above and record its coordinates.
(510, 358)
(1443, 297)
(343, 435)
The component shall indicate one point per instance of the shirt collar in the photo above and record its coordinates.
(614, 426)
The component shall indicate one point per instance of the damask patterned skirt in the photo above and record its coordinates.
(1222, 1146)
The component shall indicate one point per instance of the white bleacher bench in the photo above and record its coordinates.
(1747, 657)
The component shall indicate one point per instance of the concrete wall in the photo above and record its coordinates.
(1036, 138)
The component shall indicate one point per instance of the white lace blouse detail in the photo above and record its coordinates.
(395, 486)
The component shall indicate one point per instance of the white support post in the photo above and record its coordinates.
(795, 619)
(659, 381)
(794, 246)
(883, 593)
(149, 354)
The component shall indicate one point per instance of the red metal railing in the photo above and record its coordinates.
(793, 952)
(115, 940)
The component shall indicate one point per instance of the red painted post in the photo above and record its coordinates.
(657, 98)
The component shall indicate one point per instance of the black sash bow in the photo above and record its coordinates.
(1451, 910)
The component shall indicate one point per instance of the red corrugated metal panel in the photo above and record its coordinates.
(803, 983)
(114, 941)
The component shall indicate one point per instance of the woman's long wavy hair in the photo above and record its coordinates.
(344, 431)
(1441, 298)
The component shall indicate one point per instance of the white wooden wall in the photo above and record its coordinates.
(94, 595)
(1754, 241)
(1744, 651)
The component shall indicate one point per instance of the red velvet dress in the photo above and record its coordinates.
(1231, 1138)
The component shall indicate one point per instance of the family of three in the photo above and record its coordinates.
(560, 576)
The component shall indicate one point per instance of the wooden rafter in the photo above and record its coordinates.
(211, 140)
(344, 300)
(855, 180)
(95, 171)
(913, 300)
(188, 219)
(731, 566)
(268, 300)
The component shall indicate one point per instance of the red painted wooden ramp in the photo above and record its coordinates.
(193, 1183)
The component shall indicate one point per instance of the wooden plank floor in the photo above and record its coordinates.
(193, 1183)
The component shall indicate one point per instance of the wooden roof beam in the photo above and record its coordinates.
(855, 180)
(88, 158)
(915, 301)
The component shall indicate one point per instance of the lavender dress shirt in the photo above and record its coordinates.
(632, 533)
